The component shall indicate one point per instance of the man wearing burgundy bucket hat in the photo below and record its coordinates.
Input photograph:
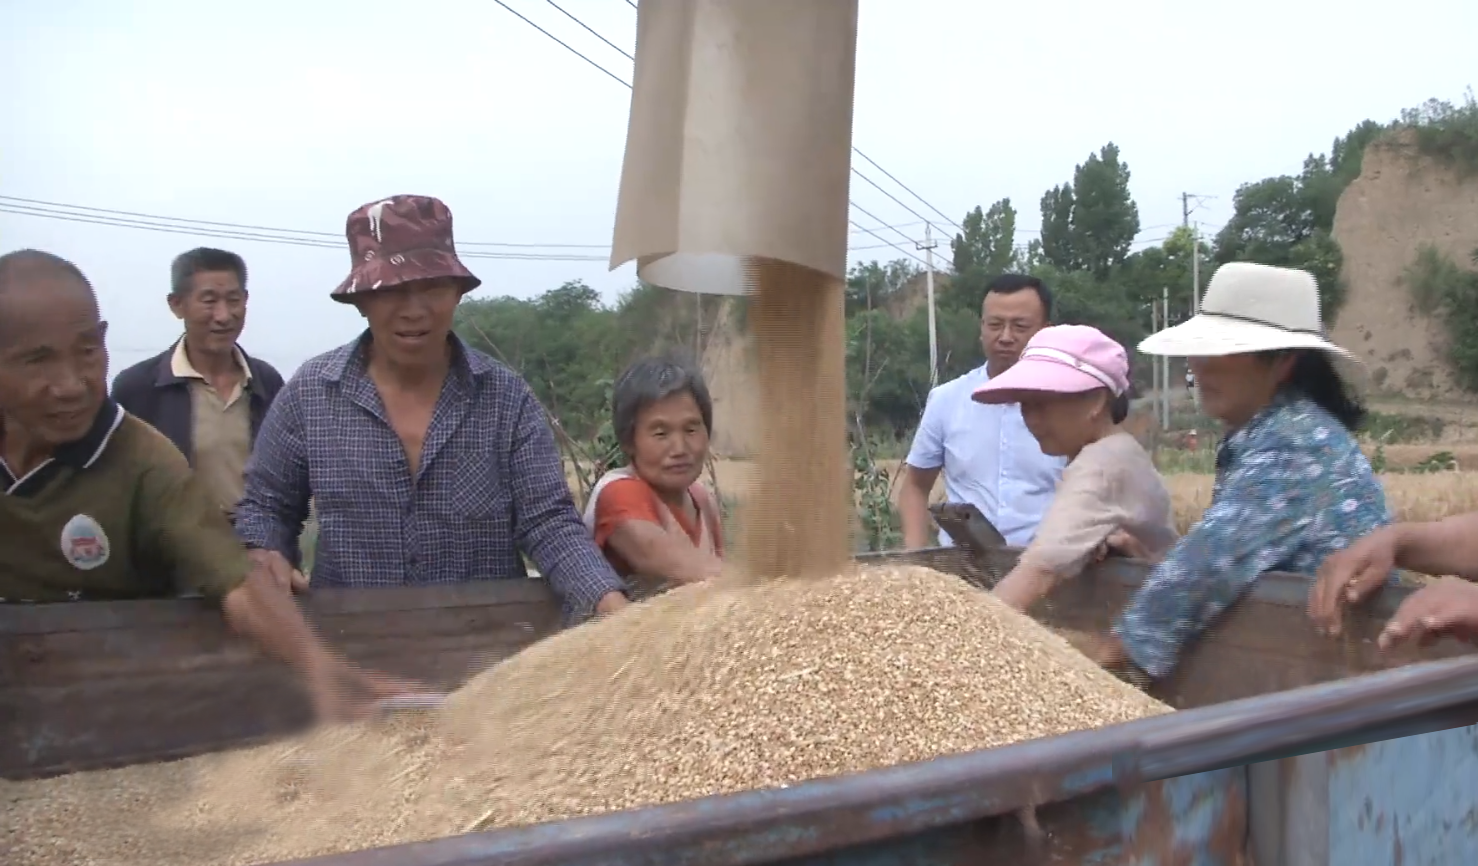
(426, 460)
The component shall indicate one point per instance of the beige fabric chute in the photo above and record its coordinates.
(740, 140)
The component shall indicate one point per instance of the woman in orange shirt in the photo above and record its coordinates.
(652, 518)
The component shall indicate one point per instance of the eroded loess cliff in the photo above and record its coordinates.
(1401, 201)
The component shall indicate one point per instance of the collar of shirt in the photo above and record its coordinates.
(78, 454)
(180, 366)
(1267, 418)
(349, 364)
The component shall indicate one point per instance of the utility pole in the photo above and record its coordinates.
(1185, 220)
(928, 245)
(1196, 296)
(1164, 362)
(1157, 387)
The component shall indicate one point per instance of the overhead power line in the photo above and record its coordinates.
(336, 238)
(89, 215)
(561, 42)
(282, 237)
(591, 30)
(905, 186)
(883, 239)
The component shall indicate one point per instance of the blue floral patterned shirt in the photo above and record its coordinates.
(1292, 487)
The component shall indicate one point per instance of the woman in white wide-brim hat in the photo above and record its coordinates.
(1292, 486)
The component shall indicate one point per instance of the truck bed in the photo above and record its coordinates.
(83, 686)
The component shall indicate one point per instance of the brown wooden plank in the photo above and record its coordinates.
(115, 721)
(85, 616)
(78, 657)
(106, 684)
(1263, 643)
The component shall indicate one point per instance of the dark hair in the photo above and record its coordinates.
(1316, 378)
(1009, 284)
(1119, 408)
(203, 260)
(652, 380)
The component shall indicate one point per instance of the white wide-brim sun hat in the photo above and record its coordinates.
(1251, 308)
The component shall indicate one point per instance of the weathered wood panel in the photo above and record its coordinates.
(109, 683)
(91, 685)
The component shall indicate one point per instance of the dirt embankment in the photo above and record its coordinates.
(1401, 201)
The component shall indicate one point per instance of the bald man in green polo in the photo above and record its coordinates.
(97, 505)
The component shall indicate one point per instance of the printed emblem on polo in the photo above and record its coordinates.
(84, 543)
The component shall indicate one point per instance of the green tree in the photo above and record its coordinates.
(1105, 218)
(1147, 273)
(874, 286)
(563, 343)
(1444, 289)
(1090, 223)
(988, 240)
(1288, 221)
(1056, 245)
(888, 363)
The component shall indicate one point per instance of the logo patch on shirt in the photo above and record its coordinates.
(84, 543)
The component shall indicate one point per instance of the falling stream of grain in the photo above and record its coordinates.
(799, 519)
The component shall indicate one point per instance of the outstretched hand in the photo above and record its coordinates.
(1122, 543)
(1348, 576)
(343, 692)
(1446, 607)
(278, 570)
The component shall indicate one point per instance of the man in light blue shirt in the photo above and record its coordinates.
(988, 457)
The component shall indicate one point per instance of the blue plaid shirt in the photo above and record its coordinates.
(1292, 487)
(490, 483)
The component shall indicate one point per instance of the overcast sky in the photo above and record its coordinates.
(289, 115)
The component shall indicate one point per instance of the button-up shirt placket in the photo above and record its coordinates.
(446, 417)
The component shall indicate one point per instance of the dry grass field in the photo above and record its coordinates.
(1412, 496)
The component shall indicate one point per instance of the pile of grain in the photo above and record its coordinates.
(707, 690)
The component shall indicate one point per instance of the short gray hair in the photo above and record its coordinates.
(203, 260)
(652, 380)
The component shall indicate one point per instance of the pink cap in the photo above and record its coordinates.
(1063, 359)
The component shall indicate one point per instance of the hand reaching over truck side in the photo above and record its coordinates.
(178, 530)
(1447, 546)
(1446, 608)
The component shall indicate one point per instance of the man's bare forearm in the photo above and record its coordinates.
(1025, 585)
(272, 619)
(1447, 546)
(913, 505)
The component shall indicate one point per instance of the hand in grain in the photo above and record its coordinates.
(610, 603)
(343, 692)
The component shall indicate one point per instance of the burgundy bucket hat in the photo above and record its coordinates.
(399, 239)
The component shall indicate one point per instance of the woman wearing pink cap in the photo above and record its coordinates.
(1072, 383)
